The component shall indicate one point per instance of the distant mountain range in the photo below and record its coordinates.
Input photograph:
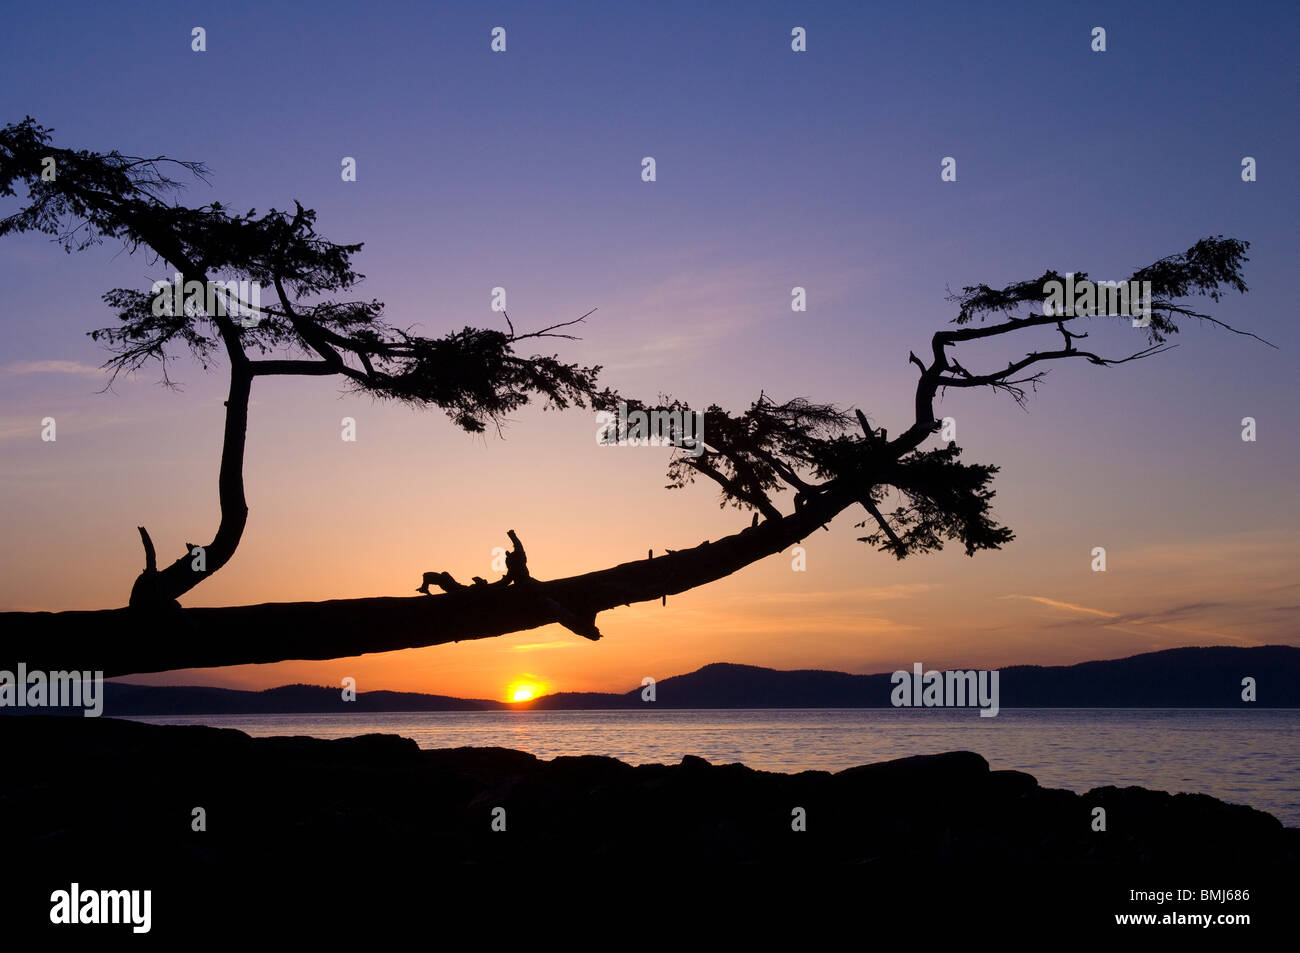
(1175, 678)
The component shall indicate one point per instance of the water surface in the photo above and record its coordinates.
(1245, 757)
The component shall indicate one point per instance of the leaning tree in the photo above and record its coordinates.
(823, 458)
(308, 330)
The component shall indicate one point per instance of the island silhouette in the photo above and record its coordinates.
(1190, 677)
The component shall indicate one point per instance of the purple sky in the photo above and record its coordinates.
(774, 169)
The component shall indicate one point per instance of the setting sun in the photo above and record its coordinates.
(524, 689)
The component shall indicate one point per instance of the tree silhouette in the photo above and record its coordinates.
(829, 459)
(473, 374)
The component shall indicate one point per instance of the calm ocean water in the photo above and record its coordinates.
(1245, 757)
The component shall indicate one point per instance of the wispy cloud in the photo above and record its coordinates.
(1137, 622)
(1172, 613)
(53, 367)
(1069, 606)
(692, 307)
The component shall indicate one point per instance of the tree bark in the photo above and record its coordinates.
(137, 640)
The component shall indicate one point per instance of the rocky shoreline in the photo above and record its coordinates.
(104, 788)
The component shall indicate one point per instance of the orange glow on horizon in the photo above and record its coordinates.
(524, 689)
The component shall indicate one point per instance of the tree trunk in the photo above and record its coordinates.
(154, 588)
(135, 640)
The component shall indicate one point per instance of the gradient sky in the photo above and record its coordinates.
(775, 169)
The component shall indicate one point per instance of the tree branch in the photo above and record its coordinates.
(129, 641)
(291, 368)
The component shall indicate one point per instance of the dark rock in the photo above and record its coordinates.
(76, 792)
